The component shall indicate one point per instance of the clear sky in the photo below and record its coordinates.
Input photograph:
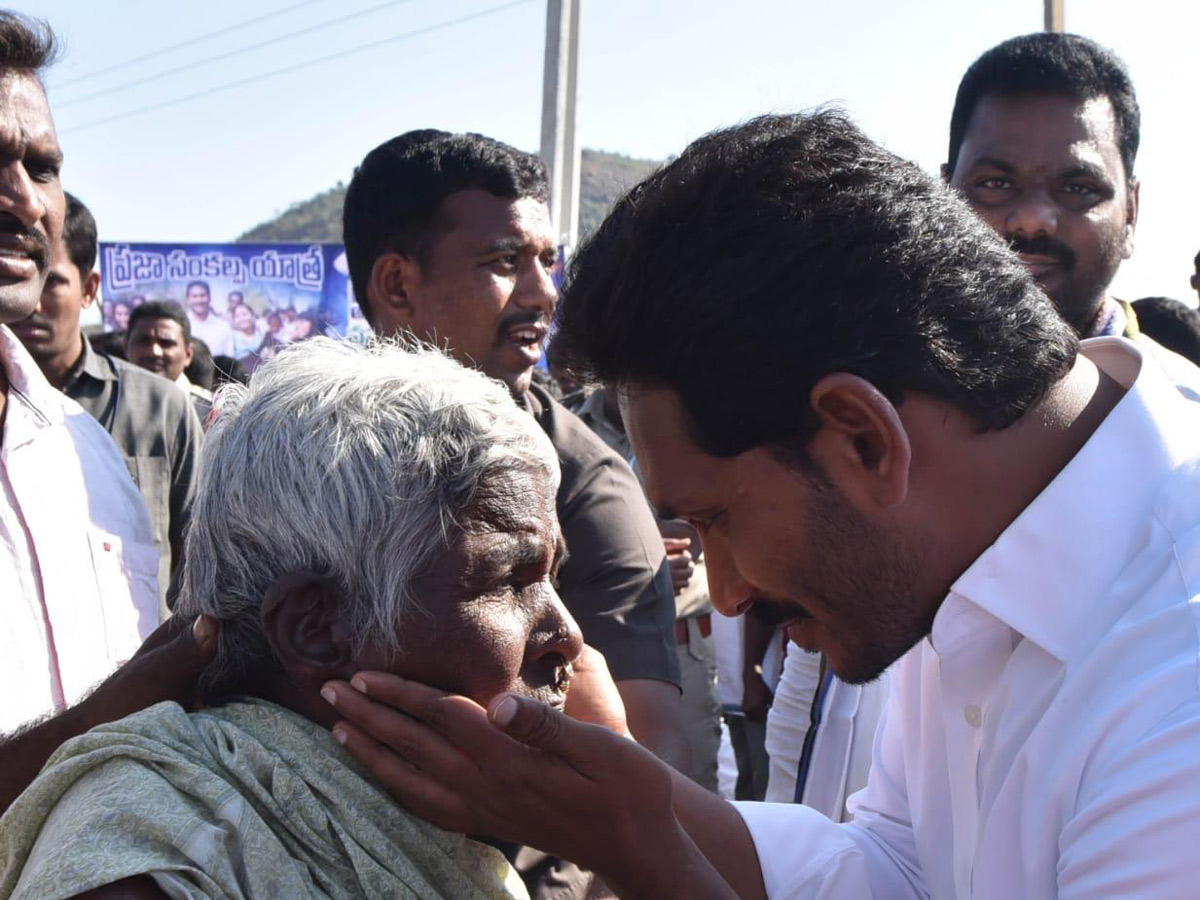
(655, 74)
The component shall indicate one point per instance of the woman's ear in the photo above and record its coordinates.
(303, 623)
(863, 444)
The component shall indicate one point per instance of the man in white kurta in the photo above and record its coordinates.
(1044, 740)
(78, 566)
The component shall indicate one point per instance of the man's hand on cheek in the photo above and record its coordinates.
(519, 771)
(593, 696)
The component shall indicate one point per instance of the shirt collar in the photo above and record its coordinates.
(91, 364)
(27, 383)
(592, 407)
(1049, 574)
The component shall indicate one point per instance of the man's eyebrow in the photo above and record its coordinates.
(1086, 170)
(993, 162)
(510, 244)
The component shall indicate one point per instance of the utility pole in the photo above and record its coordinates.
(560, 83)
(1054, 15)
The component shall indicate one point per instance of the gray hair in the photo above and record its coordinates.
(352, 463)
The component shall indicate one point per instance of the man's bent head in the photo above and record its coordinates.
(378, 508)
(448, 238)
(769, 306)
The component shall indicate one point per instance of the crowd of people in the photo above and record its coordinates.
(238, 335)
(868, 466)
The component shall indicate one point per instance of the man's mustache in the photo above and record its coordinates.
(516, 320)
(1044, 246)
(773, 613)
(29, 240)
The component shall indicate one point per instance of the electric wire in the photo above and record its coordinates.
(229, 54)
(241, 82)
(163, 51)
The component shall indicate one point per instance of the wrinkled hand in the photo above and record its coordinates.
(756, 696)
(593, 696)
(679, 559)
(519, 771)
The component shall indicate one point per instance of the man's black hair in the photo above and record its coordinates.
(79, 235)
(161, 309)
(779, 251)
(201, 371)
(1196, 263)
(27, 45)
(227, 370)
(1050, 63)
(1173, 324)
(393, 199)
(203, 284)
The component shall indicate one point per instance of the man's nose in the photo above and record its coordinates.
(727, 589)
(536, 289)
(1032, 214)
(18, 194)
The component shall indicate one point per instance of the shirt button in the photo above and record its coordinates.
(974, 715)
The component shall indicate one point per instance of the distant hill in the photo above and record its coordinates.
(603, 179)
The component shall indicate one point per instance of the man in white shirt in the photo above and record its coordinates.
(78, 567)
(216, 332)
(893, 447)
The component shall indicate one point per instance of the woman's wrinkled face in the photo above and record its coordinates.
(489, 617)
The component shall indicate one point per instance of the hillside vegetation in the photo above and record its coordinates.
(604, 178)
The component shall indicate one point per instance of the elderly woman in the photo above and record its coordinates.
(358, 509)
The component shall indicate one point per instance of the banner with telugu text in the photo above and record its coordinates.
(243, 300)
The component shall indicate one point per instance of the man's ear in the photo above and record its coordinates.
(1131, 216)
(390, 292)
(91, 287)
(861, 444)
(302, 621)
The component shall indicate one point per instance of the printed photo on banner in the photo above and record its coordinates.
(244, 301)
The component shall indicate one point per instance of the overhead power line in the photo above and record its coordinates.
(163, 51)
(461, 20)
(337, 20)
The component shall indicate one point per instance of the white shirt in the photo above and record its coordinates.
(1044, 741)
(78, 567)
(216, 333)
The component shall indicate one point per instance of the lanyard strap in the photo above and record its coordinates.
(824, 680)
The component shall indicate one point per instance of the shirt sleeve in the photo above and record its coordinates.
(806, 856)
(1134, 833)
(185, 463)
(616, 581)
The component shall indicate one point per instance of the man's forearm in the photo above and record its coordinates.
(166, 667)
(23, 754)
(720, 835)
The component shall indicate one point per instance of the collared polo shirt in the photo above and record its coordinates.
(615, 580)
(157, 431)
(78, 568)
(693, 600)
(1044, 740)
